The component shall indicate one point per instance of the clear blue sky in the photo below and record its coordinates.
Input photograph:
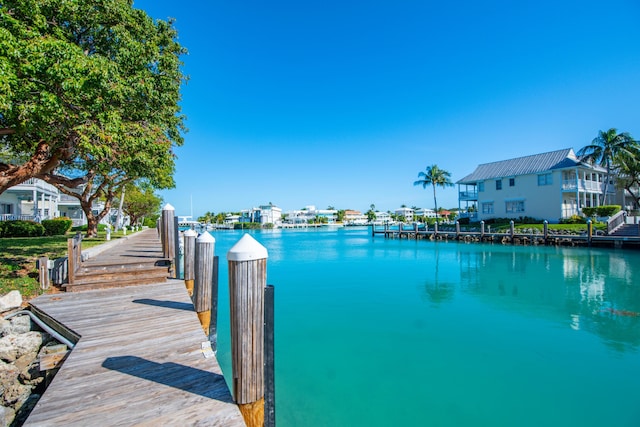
(342, 103)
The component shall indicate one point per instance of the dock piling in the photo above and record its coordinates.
(247, 281)
(204, 280)
(189, 259)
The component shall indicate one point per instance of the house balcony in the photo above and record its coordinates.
(468, 195)
(34, 184)
(586, 186)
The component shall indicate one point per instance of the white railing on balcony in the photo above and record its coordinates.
(13, 217)
(584, 185)
(34, 183)
(468, 195)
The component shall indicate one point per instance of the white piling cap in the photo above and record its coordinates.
(247, 249)
(191, 233)
(168, 207)
(206, 238)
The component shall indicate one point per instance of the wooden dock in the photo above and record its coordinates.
(138, 360)
(554, 239)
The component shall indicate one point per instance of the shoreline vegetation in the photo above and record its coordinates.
(18, 255)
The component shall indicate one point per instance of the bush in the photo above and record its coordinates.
(589, 212)
(57, 226)
(83, 228)
(608, 210)
(20, 228)
(574, 219)
(464, 221)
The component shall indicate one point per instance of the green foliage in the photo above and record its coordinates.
(83, 228)
(21, 228)
(608, 210)
(150, 221)
(56, 226)
(574, 219)
(140, 202)
(247, 226)
(91, 89)
(589, 211)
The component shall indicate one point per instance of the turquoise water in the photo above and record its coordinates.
(375, 332)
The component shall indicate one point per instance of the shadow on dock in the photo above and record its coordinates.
(171, 374)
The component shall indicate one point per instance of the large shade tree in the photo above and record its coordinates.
(609, 149)
(435, 177)
(88, 96)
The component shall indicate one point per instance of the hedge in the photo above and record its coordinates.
(19, 228)
(604, 210)
(56, 226)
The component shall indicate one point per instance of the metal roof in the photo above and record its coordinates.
(526, 165)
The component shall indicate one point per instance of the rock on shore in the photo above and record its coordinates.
(21, 381)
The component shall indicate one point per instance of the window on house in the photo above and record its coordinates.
(498, 184)
(512, 182)
(545, 179)
(514, 206)
(487, 208)
(481, 186)
(6, 208)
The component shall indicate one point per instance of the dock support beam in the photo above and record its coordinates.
(189, 259)
(167, 233)
(247, 281)
(205, 280)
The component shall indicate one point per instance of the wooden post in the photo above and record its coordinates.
(457, 229)
(168, 236)
(511, 230)
(247, 280)
(589, 231)
(176, 250)
(481, 230)
(545, 230)
(189, 259)
(435, 229)
(269, 359)
(43, 272)
(168, 242)
(205, 247)
(415, 229)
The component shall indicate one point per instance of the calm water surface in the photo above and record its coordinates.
(375, 332)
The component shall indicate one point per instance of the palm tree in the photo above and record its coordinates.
(434, 176)
(606, 150)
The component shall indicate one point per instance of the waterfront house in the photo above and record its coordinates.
(32, 200)
(425, 213)
(265, 214)
(35, 200)
(406, 213)
(353, 217)
(548, 186)
(383, 218)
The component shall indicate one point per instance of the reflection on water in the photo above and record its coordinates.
(585, 289)
(482, 335)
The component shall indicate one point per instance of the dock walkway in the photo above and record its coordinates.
(138, 361)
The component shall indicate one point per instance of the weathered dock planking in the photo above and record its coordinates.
(138, 362)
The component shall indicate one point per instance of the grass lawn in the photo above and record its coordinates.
(18, 258)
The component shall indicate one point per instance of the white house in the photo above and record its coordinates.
(310, 213)
(426, 213)
(549, 186)
(36, 200)
(383, 218)
(33, 199)
(353, 217)
(266, 214)
(407, 213)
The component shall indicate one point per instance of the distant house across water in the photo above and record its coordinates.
(548, 186)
